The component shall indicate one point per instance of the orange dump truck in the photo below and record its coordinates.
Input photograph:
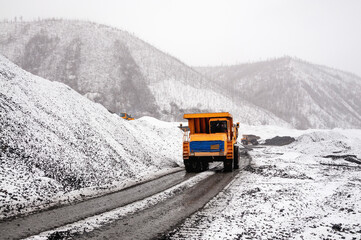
(211, 137)
(126, 116)
(246, 139)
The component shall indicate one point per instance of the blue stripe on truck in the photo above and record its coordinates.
(206, 146)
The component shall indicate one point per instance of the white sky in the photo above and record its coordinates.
(206, 32)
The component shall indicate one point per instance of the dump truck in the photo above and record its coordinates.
(211, 137)
(246, 139)
(126, 116)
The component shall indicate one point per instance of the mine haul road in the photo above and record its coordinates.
(152, 222)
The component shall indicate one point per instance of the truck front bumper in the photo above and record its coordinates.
(207, 154)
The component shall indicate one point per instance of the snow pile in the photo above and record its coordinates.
(329, 142)
(289, 192)
(269, 131)
(54, 141)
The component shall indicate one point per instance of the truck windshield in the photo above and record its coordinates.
(218, 126)
(122, 114)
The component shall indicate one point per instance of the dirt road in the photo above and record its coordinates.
(147, 223)
(39, 222)
(154, 221)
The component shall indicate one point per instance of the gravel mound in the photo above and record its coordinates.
(279, 141)
(54, 141)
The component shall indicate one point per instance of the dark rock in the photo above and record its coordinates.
(60, 235)
(279, 141)
(337, 227)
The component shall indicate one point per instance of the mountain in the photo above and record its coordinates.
(54, 141)
(120, 71)
(303, 94)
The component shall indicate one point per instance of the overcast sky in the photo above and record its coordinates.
(209, 32)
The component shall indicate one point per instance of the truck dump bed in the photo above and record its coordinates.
(199, 122)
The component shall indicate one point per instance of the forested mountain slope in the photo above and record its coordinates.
(303, 94)
(120, 71)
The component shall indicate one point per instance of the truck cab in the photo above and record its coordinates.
(211, 137)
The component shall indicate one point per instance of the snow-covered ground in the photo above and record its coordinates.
(289, 192)
(57, 146)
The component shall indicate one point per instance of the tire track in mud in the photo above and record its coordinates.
(49, 219)
(149, 222)
(154, 222)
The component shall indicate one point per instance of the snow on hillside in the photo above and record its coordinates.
(54, 142)
(303, 94)
(297, 191)
(183, 99)
(268, 131)
(120, 71)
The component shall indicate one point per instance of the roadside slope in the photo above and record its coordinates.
(54, 141)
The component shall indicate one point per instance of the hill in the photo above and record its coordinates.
(303, 94)
(120, 71)
(54, 141)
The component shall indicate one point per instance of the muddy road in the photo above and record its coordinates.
(148, 223)
(36, 223)
(153, 222)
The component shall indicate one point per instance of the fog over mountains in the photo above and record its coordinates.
(118, 70)
(124, 73)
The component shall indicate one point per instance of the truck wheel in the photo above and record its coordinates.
(228, 165)
(236, 157)
(254, 142)
(205, 166)
(194, 165)
(187, 165)
(199, 165)
(244, 142)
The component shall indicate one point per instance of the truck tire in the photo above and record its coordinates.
(244, 142)
(205, 165)
(228, 165)
(236, 157)
(196, 165)
(187, 165)
(254, 142)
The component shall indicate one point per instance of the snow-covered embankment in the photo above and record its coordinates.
(56, 145)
